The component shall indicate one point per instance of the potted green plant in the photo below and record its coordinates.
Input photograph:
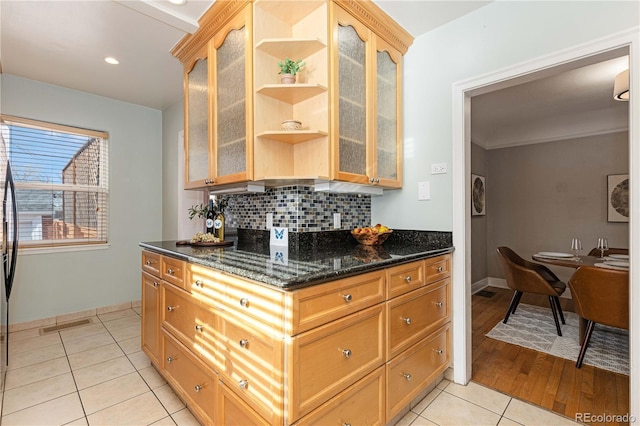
(288, 70)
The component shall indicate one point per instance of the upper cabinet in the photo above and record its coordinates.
(347, 97)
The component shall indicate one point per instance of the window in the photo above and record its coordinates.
(61, 180)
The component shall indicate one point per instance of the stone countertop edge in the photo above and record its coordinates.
(296, 282)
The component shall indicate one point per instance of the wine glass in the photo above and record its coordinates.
(576, 246)
(603, 245)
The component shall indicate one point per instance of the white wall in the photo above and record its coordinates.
(498, 35)
(51, 284)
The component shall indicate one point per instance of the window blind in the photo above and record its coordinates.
(61, 179)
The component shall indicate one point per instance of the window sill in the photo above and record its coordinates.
(61, 249)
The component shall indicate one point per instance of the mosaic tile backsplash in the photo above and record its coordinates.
(298, 208)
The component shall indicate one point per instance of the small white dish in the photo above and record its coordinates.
(608, 266)
(554, 254)
(619, 263)
(619, 256)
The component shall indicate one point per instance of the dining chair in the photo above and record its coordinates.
(523, 276)
(596, 252)
(600, 296)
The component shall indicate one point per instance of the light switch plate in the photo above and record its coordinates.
(424, 191)
(337, 222)
(439, 168)
(269, 220)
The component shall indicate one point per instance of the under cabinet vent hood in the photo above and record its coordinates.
(238, 189)
(347, 188)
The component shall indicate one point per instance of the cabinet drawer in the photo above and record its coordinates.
(417, 314)
(360, 404)
(193, 381)
(173, 271)
(322, 303)
(193, 325)
(204, 283)
(438, 267)
(404, 278)
(151, 263)
(258, 306)
(233, 411)
(328, 359)
(252, 366)
(414, 369)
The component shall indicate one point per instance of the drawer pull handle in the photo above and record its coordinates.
(346, 353)
(407, 376)
(439, 304)
(407, 278)
(199, 327)
(172, 308)
(170, 359)
(170, 271)
(148, 263)
(346, 424)
(197, 388)
(439, 351)
(244, 302)
(347, 298)
(155, 284)
(407, 321)
(439, 268)
(244, 343)
(198, 283)
(243, 384)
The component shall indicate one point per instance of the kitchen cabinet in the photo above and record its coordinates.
(151, 322)
(347, 97)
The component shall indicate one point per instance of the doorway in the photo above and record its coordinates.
(463, 91)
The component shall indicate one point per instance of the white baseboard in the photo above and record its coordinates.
(500, 283)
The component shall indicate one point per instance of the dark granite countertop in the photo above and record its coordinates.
(310, 262)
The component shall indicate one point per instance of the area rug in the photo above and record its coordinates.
(533, 327)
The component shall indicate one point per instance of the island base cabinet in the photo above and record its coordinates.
(192, 380)
(363, 403)
(231, 410)
(413, 370)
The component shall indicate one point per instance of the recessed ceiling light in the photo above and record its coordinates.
(178, 2)
(111, 60)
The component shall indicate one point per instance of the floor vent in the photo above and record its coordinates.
(486, 293)
(66, 325)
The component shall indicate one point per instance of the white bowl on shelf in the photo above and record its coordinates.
(291, 125)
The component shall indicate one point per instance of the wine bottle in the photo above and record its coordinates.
(209, 222)
(218, 226)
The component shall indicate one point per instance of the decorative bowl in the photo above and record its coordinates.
(291, 125)
(371, 238)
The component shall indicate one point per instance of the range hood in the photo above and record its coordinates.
(346, 188)
(243, 188)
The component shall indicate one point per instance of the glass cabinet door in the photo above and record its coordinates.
(197, 134)
(387, 166)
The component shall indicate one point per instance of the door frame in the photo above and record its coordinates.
(461, 121)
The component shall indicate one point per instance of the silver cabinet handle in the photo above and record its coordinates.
(170, 271)
(244, 302)
(346, 353)
(347, 298)
(170, 359)
(407, 376)
(197, 388)
(439, 268)
(407, 278)
(199, 327)
(407, 321)
(243, 384)
(346, 424)
(244, 343)
(377, 180)
(371, 180)
(439, 351)
(198, 283)
(148, 263)
(155, 284)
(439, 304)
(172, 308)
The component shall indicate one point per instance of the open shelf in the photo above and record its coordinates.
(292, 93)
(292, 136)
(290, 47)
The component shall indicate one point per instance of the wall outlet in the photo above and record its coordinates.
(337, 221)
(439, 168)
(269, 220)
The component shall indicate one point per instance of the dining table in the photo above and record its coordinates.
(575, 262)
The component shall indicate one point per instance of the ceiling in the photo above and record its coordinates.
(65, 42)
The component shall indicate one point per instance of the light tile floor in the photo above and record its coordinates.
(96, 374)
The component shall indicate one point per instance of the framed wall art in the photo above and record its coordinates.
(478, 190)
(618, 198)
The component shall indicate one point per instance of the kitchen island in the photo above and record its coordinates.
(326, 333)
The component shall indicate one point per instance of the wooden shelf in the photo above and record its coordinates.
(289, 12)
(292, 136)
(292, 93)
(289, 47)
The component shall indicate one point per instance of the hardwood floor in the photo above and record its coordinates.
(545, 380)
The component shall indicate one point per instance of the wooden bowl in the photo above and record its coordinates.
(371, 238)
